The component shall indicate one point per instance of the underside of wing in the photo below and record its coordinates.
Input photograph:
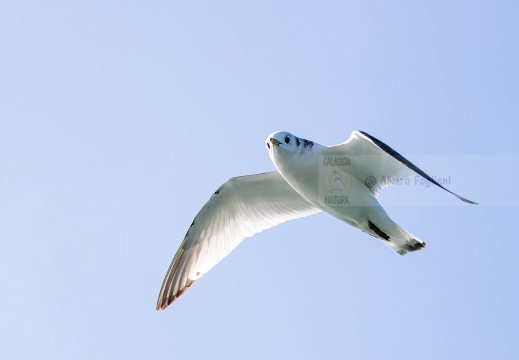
(240, 208)
(377, 164)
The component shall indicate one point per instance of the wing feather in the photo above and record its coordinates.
(240, 208)
(377, 164)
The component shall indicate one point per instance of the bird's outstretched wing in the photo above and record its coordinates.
(240, 208)
(377, 164)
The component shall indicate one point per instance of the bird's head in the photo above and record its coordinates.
(282, 145)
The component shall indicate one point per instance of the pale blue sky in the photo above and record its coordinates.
(119, 119)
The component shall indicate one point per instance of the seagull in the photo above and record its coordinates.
(341, 180)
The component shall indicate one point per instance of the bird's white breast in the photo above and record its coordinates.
(325, 182)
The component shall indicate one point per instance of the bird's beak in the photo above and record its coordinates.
(275, 142)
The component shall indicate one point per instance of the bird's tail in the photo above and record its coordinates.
(407, 242)
(403, 242)
(381, 226)
(395, 237)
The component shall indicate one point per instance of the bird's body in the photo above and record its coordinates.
(342, 180)
(308, 168)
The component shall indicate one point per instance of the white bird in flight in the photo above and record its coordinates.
(342, 180)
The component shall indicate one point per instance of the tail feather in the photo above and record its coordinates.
(404, 242)
(396, 238)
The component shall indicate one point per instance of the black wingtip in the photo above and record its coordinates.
(467, 200)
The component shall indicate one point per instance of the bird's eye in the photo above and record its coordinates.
(268, 145)
(287, 139)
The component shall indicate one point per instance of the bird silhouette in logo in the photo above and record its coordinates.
(336, 181)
